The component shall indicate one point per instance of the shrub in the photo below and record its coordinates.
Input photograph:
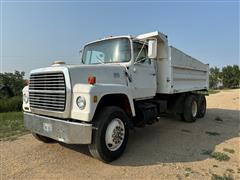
(14, 81)
(220, 156)
(224, 177)
(11, 104)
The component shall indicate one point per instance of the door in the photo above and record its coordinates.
(144, 84)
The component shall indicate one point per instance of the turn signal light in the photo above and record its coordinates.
(95, 98)
(91, 80)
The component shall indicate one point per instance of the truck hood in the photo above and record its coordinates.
(78, 74)
(104, 73)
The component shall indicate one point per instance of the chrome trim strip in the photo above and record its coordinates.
(47, 91)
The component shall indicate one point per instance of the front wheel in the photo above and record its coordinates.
(110, 138)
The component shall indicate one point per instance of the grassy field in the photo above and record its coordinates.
(11, 125)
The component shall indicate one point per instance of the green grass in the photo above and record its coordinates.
(220, 156)
(12, 104)
(224, 177)
(11, 125)
(216, 155)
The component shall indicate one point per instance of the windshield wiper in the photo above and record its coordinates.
(99, 60)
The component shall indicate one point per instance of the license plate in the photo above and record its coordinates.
(47, 127)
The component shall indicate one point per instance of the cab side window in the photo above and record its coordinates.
(142, 57)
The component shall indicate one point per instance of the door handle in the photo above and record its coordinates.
(154, 74)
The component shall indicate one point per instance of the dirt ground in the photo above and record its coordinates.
(169, 149)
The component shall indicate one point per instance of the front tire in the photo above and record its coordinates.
(110, 138)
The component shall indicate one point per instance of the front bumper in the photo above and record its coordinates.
(60, 130)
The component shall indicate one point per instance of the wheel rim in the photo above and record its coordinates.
(194, 108)
(115, 134)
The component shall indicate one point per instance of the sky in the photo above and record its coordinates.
(36, 33)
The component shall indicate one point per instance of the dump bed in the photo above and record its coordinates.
(181, 73)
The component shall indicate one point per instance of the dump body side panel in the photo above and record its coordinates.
(180, 73)
(188, 73)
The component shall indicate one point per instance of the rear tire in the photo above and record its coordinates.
(190, 109)
(110, 138)
(42, 138)
(202, 106)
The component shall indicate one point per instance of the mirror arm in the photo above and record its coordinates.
(135, 60)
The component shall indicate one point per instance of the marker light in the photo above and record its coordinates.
(91, 80)
(95, 99)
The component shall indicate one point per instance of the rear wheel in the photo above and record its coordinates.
(42, 138)
(190, 109)
(111, 135)
(202, 106)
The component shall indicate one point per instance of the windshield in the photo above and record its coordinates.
(107, 51)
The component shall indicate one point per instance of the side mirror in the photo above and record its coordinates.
(81, 54)
(152, 48)
(80, 51)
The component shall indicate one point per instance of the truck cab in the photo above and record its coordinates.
(131, 56)
(122, 82)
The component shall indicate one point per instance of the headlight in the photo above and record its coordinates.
(81, 102)
(25, 98)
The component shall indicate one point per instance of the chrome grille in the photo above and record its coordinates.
(47, 91)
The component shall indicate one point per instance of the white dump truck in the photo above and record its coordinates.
(122, 82)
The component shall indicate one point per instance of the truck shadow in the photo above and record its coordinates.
(81, 148)
(171, 140)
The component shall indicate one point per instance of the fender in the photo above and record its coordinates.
(99, 90)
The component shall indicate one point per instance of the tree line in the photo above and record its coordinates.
(11, 84)
(226, 77)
